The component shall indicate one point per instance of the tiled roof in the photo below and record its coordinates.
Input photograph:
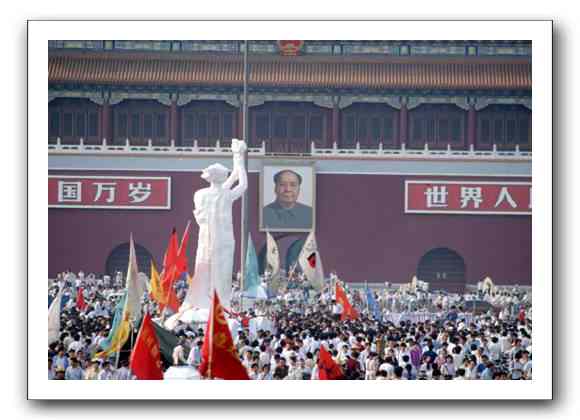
(370, 72)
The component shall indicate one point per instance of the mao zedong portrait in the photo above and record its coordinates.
(286, 212)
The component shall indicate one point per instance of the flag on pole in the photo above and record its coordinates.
(311, 263)
(272, 255)
(348, 311)
(170, 256)
(174, 264)
(251, 274)
(373, 305)
(181, 263)
(119, 332)
(219, 357)
(273, 263)
(328, 369)
(145, 360)
(135, 289)
(54, 318)
(81, 304)
(155, 289)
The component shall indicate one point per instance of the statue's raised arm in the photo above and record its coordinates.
(239, 172)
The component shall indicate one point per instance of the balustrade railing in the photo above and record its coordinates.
(105, 148)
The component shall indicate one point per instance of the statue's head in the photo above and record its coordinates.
(215, 173)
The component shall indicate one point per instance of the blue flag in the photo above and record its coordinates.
(252, 276)
(373, 305)
(107, 343)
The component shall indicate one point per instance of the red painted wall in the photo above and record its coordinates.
(362, 230)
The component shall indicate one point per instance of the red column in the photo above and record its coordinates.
(106, 121)
(471, 126)
(335, 125)
(403, 125)
(173, 122)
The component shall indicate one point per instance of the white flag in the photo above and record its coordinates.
(54, 318)
(135, 289)
(272, 255)
(311, 263)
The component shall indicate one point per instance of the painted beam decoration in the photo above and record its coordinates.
(468, 197)
(109, 192)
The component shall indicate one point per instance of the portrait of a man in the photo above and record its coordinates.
(288, 199)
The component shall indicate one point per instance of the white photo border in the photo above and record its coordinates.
(539, 32)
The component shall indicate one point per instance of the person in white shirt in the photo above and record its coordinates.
(50, 369)
(371, 366)
(494, 349)
(336, 309)
(505, 342)
(194, 357)
(178, 354)
(294, 370)
(74, 371)
(388, 367)
(107, 372)
(123, 373)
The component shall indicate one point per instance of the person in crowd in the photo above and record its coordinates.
(74, 371)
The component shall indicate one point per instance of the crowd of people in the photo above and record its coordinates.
(453, 340)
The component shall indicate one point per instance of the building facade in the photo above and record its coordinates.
(385, 124)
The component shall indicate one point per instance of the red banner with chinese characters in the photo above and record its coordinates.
(468, 197)
(109, 192)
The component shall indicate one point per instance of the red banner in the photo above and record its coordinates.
(468, 197)
(109, 192)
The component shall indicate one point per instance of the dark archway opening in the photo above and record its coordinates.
(443, 269)
(118, 260)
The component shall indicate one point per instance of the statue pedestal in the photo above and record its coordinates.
(182, 372)
(189, 316)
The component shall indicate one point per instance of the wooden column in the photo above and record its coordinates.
(106, 131)
(173, 122)
(471, 126)
(403, 124)
(396, 135)
(335, 125)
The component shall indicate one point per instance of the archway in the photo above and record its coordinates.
(443, 269)
(118, 259)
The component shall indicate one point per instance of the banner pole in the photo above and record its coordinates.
(244, 215)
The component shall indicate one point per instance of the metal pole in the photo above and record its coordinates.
(244, 215)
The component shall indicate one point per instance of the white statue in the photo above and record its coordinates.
(214, 259)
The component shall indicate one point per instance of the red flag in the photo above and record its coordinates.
(328, 369)
(348, 311)
(81, 304)
(219, 358)
(171, 252)
(145, 361)
(170, 258)
(170, 273)
(170, 298)
(181, 259)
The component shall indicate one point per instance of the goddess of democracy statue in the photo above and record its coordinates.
(215, 245)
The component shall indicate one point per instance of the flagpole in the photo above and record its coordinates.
(210, 338)
(244, 215)
(117, 359)
(367, 299)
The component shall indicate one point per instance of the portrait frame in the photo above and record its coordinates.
(306, 197)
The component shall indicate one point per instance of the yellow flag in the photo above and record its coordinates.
(120, 338)
(155, 287)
